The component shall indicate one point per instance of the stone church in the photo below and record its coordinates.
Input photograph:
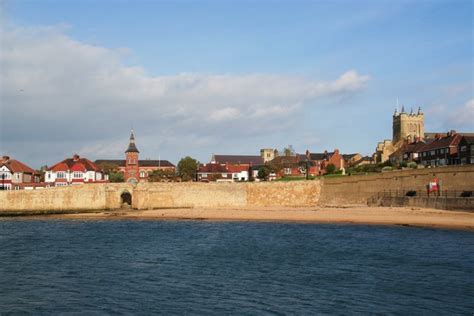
(406, 128)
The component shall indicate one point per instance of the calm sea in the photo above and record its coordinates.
(195, 267)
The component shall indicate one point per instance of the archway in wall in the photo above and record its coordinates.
(126, 199)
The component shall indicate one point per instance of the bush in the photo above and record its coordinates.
(387, 168)
(330, 169)
(412, 165)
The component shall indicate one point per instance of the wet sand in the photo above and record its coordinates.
(405, 216)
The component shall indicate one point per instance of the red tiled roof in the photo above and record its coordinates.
(238, 159)
(70, 163)
(213, 168)
(16, 166)
(236, 168)
(443, 142)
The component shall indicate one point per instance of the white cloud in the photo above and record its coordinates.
(57, 89)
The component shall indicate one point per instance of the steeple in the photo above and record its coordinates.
(419, 110)
(403, 109)
(131, 146)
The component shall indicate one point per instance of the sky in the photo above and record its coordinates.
(227, 77)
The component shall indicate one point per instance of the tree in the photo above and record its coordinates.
(162, 175)
(331, 168)
(187, 168)
(264, 172)
(115, 175)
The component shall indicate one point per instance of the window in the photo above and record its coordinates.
(463, 148)
(432, 153)
(287, 171)
(77, 175)
(49, 175)
(17, 176)
(61, 175)
(142, 174)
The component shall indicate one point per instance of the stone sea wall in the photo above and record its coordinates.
(328, 191)
(358, 189)
(94, 197)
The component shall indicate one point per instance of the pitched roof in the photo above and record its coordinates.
(411, 147)
(213, 168)
(74, 163)
(16, 166)
(238, 159)
(131, 146)
(142, 163)
(348, 156)
(443, 142)
(468, 139)
(320, 156)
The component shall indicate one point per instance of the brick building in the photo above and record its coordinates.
(134, 169)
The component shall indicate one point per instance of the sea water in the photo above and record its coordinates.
(200, 267)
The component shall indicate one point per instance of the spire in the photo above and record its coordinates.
(131, 146)
(411, 112)
(395, 113)
(419, 110)
(403, 109)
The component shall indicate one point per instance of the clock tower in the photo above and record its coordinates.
(132, 174)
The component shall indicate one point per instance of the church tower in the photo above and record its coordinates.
(407, 127)
(131, 161)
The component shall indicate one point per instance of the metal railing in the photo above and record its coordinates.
(425, 194)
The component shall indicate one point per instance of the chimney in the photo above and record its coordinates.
(75, 157)
(307, 153)
(5, 158)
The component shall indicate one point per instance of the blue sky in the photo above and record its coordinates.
(235, 76)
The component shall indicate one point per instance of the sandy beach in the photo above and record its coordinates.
(355, 214)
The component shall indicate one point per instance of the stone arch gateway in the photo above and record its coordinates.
(126, 199)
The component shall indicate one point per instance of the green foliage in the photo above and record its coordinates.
(331, 168)
(187, 168)
(403, 164)
(412, 165)
(387, 168)
(165, 175)
(116, 177)
(113, 171)
(264, 172)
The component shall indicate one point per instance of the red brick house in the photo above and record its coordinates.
(408, 152)
(322, 160)
(443, 150)
(466, 150)
(15, 175)
(214, 172)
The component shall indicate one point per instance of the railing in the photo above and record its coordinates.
(426, 194)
